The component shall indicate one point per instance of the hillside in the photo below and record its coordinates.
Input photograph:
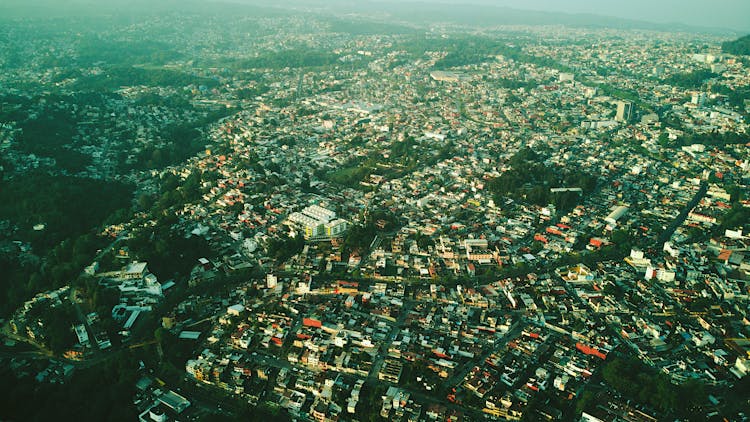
(740, 46)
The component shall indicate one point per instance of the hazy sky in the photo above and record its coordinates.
(731, 14)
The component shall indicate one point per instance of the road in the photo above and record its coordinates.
(374, 382)
(383, 350)
(460, 373)
(76, 304)
(32, 354)
(677, 222)
(293, 330)
(41, 351)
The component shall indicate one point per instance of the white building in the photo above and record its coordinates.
(318, 223)
(271, 281)
(624, 110)
(616, 214)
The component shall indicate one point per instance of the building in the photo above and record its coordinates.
(318, 223)
(135, 270)
(442, 76)
(698, 98)
(336, 228)
(271, 281)
(566, 77)
(235, 310)
(139, 286)
(391, 370)
(616, 214)
(174, 401)
(624, 110)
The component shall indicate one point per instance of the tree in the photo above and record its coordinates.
(740, 46)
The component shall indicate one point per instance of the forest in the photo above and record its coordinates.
(736, 97)
(636, 381)
(529, 180)
(70, 209)
(102, 393)
(690, 80)
(368, 27)
(739, 47)
(179, 141)
(94, 49)
(119, 76)
(471, 50)
(48, 136)
(68, 206)
(293, 58)
(710, 139)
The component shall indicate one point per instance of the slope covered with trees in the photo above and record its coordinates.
(740, 46)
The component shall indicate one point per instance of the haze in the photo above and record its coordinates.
(723, 15)
(728, 14)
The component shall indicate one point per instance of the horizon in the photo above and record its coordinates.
(727, 14)
(723, 16)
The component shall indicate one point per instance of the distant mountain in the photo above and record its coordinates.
(477, 13)
(45, 9)
(737, 47)
(419, 12)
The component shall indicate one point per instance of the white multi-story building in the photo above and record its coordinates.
(317, 222)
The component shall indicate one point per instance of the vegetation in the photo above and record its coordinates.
(94, 50)
(55, 324)
(350, 175)
(735, 97)
(252, 92)
(634, 380)
(179, 142)
(70, 208)
(737, 217)
(67, 206)
(358, 238)
(116, 77)
(58, 133)
(168, 252)
(709, 139)
(739, 47)
(285, 247)
(95, 394)
(530, 180)
(361, 27)
(468, 50)
(623, 94)
(49, 135)
(405, 157)
(293, 58)
(690, 80)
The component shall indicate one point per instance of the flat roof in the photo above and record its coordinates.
(190, 335)
(129, 323)
(174, 401)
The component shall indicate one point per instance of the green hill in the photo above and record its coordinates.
(738, 47)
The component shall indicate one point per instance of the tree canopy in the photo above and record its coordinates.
(740, 46)
(530, 179)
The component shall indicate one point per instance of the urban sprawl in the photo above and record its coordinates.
(397, 235)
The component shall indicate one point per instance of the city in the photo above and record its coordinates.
(250, 213)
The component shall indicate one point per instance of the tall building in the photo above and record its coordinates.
(624, 109)
(698, 98)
